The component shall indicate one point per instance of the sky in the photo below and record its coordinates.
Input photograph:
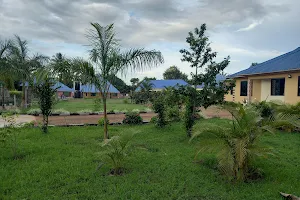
(246, 30)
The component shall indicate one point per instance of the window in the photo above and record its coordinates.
(244, 88)
(277, 87)
(231, 90)
(67, 94)
(93, 94)
(298, 85)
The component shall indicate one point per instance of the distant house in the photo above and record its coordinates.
(275, 79)
(63, 91)
(90, 91)
(158, 85)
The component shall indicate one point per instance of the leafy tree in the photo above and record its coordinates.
(46, 97)
(25, 65)
(119, 84)
(200, 55)
(134, 82)
(173, 72)
(236, 142)
(109, 60)
(148, 79)
(253, 64)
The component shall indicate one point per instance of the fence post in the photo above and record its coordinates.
(15, 101)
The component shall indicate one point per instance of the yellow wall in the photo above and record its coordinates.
(256, 91)
(260, 90)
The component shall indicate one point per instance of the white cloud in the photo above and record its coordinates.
(251, 26)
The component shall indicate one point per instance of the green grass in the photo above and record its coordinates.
(73, 105)
(62, 165)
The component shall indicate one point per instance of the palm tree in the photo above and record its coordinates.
(60, 65)
(236, 141)
(108, 59)
(25, 65)
(6, 75)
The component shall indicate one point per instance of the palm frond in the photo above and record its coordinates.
(140, 59)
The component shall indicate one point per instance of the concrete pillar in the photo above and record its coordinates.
(249, 90)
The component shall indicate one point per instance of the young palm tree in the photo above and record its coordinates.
(60, 65)
(109, 60)
(235, 142)
(24, 64)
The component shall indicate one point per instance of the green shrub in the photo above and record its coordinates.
(159, 108)
(153, 120)
(124, 111)
(125, 101)
(34, 111)
(148, 110)
(101, 121)
(264, 108)
(132, 118)
(136, 111)
(173, 113)
(60, 111)
(85, 111)
(117, 111)
(28, 124)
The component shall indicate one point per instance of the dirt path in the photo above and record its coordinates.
(90, 119)
(212, 111)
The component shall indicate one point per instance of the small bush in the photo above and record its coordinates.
(124, 111)
(85, 111)
(136, 111)
(34, 111)
(153, 120)
(60, 111)
(132, 118)
(117, 111)
(125, 101)
(148, 110)
(264, 108)
(101, 121)
(15, 111)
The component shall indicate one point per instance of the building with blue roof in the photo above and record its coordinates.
(90, 91)
(277, 79)
(158, 85)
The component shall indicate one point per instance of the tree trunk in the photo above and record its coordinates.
(105, 117)
(23, 95)
(3, 93)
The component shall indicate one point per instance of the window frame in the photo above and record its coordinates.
(298, 86)
(242, 94)
(93, 94)
(271, 93)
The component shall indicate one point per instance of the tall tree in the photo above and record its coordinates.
(119, 84)
(62, 67)
(173, 72)
(109, 60)
(6, 71)
(25, 64)
(200, 55)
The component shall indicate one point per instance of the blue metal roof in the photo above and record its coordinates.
(92, 88)
(62, 87)
(285, 62)
(162, 84)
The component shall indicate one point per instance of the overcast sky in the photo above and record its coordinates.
(246, 30)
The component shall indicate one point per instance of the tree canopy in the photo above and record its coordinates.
(173, 72)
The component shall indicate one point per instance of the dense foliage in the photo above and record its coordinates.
(132, 118)
(159, 107)
(173, 72)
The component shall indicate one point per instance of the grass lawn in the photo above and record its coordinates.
(62, 165)
(73, 105)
